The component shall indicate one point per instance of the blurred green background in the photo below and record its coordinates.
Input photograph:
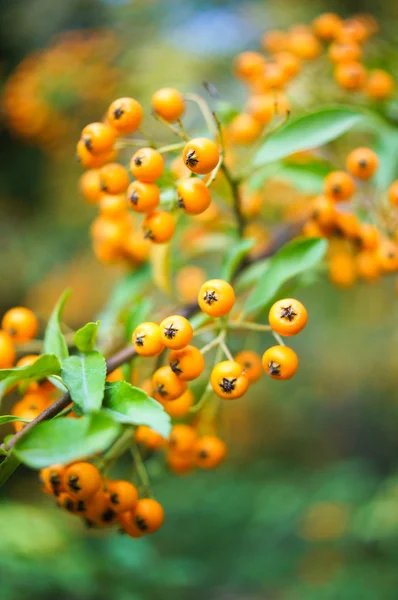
(306, 507)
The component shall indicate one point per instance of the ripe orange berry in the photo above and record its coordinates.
(123, 495)
(29, 414)
(304, 44)
(148, 515)
(368, 265)
(193, 195)
(347, 225)
(368, 236)
(354, 29)
(180, 463)
(129, 525)
(20, 323)
(98, 510)
(288, 317)
(182, 438)
(147, 339)
(351, 75)
(98, 138)
(342, 269)
(388, 255)
(65, 501)
(27, 360)
(176, 332)
(280, 362)
(289, 63)
(339, 186)
(147, 165)
(144, 197)
(187, 363)
(169, 104)
(51, 479)
(228, 380)
(149, 437)
(180, 406)
(244, 129)
(113, 206)
(31, 401)
(262, 107)
(324, 211)
(393, 193)
(251, 363)
(7, 351)
(114, 178)
(327, 26)
(209, 452)
(248, 65)
(116, 375)
(380, 85)
(90, 186)
(135, 247)
(201, 155)
(166, 384)
(92, 161)
(216, 297)
(362, 163)
(125, 115)
(274, 41)
(344, 52)
(82, 480)
(158, 226)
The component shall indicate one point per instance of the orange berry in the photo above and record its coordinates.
(129, 525)
(123, 495)
(248, 65)
(244, 129)
(351, 75)
(393, 193)
(116, 375)
(228, 380)
(82, 480)
(289, 63)
(380, 85)
(280, 362)
(147, 339)
(344, 52)
(92, 161)
(98, 510)
(347, 225)
(362, 163)
(251, 363)
(324, 211)
(304, 44)
(149, 437)
(288, 317)
(7, 351)
(51, 479)
(168, 103)
(216, 297)
(262, 107)
(29, 414)
(114, 178)
(388, 255)
(89, 186)
(148, 515)
(193, 195)
(20, 323)
(182, 438)
(125, 115)
(368, 236)
(201, 155)
(113, 206)
(209, 452)
(187, 363)
(166, 384)
(274, 41)
(158, 226)
(327, 26)
(98, 138)
(136, 247)
(342, 269)
(368, 265)
(176, 332)
(180, 463)
(147, 165)
(339, 186)
(144, 197)
(180, 406)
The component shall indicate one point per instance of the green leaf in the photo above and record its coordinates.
(234, 257)
(84, 376)
(4, 419)
(44, 366)
(307, 132)
(63, 440)
(305, 177)
(54, 340)
(86, 337)
(386, 149)
(7, 467)
(128, 404)
(136, 315)
(296, 257)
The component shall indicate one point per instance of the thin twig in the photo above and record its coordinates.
(234, 185)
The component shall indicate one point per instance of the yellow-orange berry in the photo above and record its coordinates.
(339, 186)
(90, 186)
(393, 193)
(147, 339)
(380, 85)
(98, 138)
(201, 155)
(168, 103)
(176, 332)
(280, 362)
(251, 363)
(182, 438)
(149, 437)
(114, 178)
(216, 297)
(82, 480)
(244, 129)
(209, 452)
(351, 75)
(158, 226)
(344, 52)
(188, 363)
(143, 197)
(166, 384)
(248, 65)
(288, 317)
(7, 351)
(147, 165)
(327, 26)
(20, 323)
(179, 407)
(228, 380)
(193, 195)
(123, 495)
(362, 163)
(125, 115)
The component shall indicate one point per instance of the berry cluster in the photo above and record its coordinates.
(364, 248)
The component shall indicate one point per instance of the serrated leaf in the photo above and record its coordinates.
(128, 404)
(234, 257)
(84, 376)
(54, 339)
(43, 367)
(294, 258)
(4, 419)
(7, 467)
(136, 315)
(64, 440)
(307, 132)
(86, 337)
